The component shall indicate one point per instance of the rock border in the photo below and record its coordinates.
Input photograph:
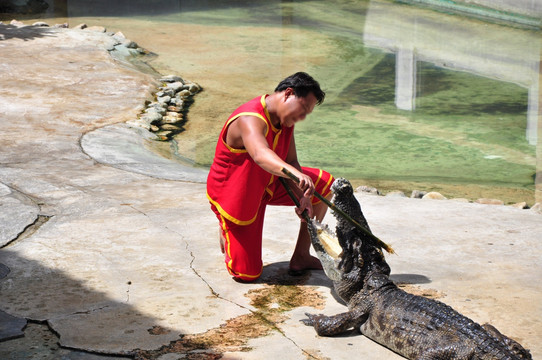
(434, 195)
(120, 39)
(167, 114)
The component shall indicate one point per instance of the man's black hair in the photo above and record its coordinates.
(302, 84)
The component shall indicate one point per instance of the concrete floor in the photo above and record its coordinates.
(111, 249)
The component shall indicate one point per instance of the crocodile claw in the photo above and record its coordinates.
(311, 319)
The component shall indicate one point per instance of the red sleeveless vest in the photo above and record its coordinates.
(236, 184)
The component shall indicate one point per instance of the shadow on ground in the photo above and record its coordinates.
(8, 32)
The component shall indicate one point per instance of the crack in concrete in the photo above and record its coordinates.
(42, 219)
(81, 350)
(89, 311)
(217, 295)
(259, 314)
(33, 226)
(57, 334)
(40, 339)
(29, 230)
(256, 313)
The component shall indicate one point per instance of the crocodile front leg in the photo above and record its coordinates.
(336, 324)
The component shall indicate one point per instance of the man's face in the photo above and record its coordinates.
(296, 108)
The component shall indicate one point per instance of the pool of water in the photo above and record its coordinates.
(416, 98)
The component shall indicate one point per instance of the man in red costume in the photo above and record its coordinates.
(254, 145)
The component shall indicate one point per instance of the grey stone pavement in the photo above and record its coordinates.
(108, 248)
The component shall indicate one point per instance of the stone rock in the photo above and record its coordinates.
(81, 26)
(172, 108)
(520, 205)
(460, 200)
(184, 94)
(157, 104)
(168, 92)
(171, 78)
(129, 44)
(16, 23)
(169, 104)
(96, 29)
(178, 102)
(61, 26)
(175, 86)
(194, 88)
(489, 201)
(40, 23)
(119, 36)
(164, 99)
(139, 123)
(151, 117)
(417, 194)
(537, 208)
(156, 109)
(434, 195)
(368, 189)
(170, 127)
(174, 114)
(163, 133)
(12, 327)
(170, 120)
(396, 193)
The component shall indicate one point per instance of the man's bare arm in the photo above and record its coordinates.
(248, 132)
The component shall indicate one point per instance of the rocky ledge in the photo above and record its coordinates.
(120, 39)
(434, 195)
(167, 114)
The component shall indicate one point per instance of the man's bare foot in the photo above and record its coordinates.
(221, 240)
(298, 264)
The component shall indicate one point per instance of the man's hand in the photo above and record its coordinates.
(306, 185)
(304, 204)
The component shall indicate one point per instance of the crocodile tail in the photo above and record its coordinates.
(513, 346)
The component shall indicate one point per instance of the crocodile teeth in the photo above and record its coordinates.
(329, 241)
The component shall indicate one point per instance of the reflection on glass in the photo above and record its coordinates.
(417, 97)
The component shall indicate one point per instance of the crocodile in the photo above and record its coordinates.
(413, 326)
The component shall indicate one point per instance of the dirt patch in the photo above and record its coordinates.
(272, 301)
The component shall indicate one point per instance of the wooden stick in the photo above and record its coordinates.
(294, 198)
(340, 212)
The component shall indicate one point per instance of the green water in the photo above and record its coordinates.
(461, 130)
(465, 136)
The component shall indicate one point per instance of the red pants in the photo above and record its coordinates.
(243, 243)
